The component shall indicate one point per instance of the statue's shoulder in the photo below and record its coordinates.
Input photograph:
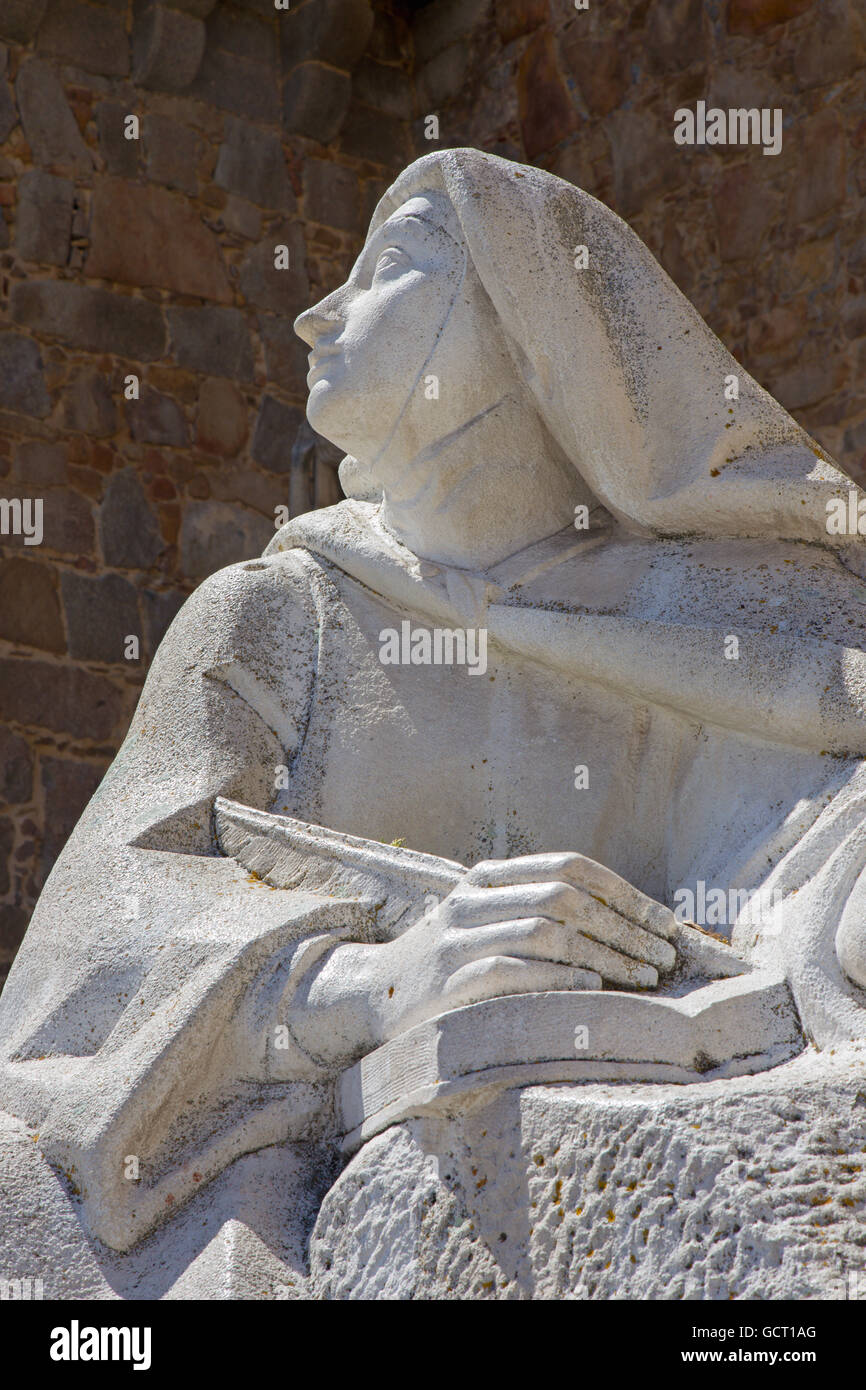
(250, 612)
(253, 589)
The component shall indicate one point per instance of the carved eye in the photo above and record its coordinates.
(392, 258)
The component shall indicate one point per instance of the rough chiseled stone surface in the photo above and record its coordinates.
(549, 1193)
(749, 1190)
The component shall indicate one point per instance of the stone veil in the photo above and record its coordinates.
(139, 1017)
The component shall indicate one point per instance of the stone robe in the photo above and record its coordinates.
(139, 1017)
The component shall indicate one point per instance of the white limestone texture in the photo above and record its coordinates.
(577, 648)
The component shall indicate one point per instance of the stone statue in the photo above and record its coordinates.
(425, 806)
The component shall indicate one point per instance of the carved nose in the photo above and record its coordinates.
(313, 323)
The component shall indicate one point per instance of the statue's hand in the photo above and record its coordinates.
(513, 926)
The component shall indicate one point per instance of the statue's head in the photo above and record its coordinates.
(483, 280)
(410, 348)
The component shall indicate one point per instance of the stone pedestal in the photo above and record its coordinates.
(751, 1188)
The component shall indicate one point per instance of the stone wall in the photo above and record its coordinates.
(770, 249)
(154, 257)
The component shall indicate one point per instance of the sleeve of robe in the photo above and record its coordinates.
(141, 1019)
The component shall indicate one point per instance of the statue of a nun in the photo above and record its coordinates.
(550, 454)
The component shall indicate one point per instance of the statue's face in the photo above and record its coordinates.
(372, 339)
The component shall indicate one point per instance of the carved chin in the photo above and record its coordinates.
(324, 413)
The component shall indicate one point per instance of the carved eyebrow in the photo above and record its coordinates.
(406, 222)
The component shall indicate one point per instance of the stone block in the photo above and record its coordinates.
(445, 22)
(251, 163)
(285, 355)
(244, 34)
(674, 35)
(373, 135)
(22, 384)
(38, 463)
(67, 519)
(85, 36)
(266, 287)
(214, 534)
(7, 840)
(49, 125)
(222, 422)
(200, 9)
(13, 924)
(242, 218)
(68, 523)
(332, 31)
(383, 87)
(65, 699)
(94, 319)
(167, 47)
(645, 160)
(819, 180)
(517, 17)
(16, 769)
(159, 610)
(754, 16)
(832, 47)
(854, 316)
(45, 205)
(443, 77)
(601, 67)
(390, 40)
(745, 210)
(239, 85)
(100, 613)
(777, 329)
(157, 419)
(547, 112)
(29, 606)
(147, 236)
(215, 341)
(20, 19)
(331, 195)
(315, 101)
(172, 152)
(121, 156)
(274, 434)
(8, 111)
(807, 383)
(87, 405)
(128, 527)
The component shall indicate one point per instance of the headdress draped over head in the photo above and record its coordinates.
(628, 377)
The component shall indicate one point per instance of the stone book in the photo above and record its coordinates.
(714, 1015)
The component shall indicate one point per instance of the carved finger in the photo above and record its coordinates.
(580, 872)
(497, 975)
(527, 938)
